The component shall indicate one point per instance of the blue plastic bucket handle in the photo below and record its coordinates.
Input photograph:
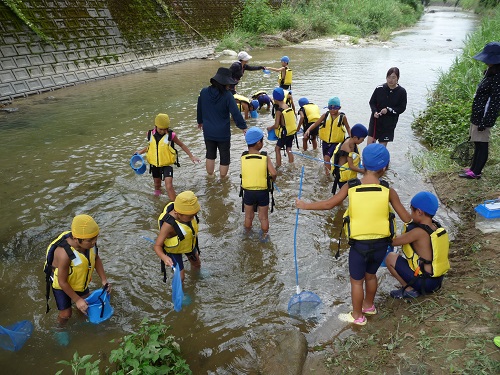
(271, 135)
(138, 164)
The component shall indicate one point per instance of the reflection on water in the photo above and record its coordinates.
(68, 151)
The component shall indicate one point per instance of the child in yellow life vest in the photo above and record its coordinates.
(369, 225)
(284, 126)
(346, 158)
(161, 154)
(334, 128)
(309, 113)
(257, 176)
(246, 105)
(178, 235)
(425, 246)
(285, 77)
(71, 258)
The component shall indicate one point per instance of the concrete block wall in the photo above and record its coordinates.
(86, 44)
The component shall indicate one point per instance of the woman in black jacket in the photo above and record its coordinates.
(388, 101)
(485, 109)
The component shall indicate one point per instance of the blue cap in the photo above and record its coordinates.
(285, 59)
(426, 202)
(359, 130)
(255, 104)
(334, 102)
(303, 101)
(375, 157)
(253, 135)
(278, 94)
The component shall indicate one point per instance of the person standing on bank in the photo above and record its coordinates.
(485, 109)
(239, 67)
(215, 105)
(388, 101)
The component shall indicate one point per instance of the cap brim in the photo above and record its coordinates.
(487, 58)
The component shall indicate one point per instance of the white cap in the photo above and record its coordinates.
(244, 56)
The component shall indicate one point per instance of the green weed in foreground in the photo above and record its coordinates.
(149, 351)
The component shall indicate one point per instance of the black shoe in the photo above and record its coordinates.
(469, 175)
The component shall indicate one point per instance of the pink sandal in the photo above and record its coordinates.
(370, 311)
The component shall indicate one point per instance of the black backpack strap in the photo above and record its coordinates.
(48, 269)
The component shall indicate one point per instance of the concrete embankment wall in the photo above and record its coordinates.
(46, 45)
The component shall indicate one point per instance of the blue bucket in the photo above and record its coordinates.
(267, 73)
(254, 114)
(138, 164)
(271, 135)
(99, 306)
(14, 336)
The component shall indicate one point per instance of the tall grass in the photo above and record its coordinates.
(313, 18)
(446, 119)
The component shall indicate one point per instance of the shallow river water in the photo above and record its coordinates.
(67, 152)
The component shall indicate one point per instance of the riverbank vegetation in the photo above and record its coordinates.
(445, 123)
(451, 331)
(261, 24)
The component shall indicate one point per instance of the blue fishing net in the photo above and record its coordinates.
(177, 293)
(14, 336)
(304, 305)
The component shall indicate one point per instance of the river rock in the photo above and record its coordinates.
(282, 352)
(228, 52)
(9, 110)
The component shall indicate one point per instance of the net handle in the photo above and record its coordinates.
(295, 234)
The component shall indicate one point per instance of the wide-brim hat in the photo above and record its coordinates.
(224, 77)
(490, 54)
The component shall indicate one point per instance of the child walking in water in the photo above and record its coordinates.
(257, 176)
(161, 154)
(369, 226)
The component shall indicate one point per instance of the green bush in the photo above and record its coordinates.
(149, 351)
(256, 17)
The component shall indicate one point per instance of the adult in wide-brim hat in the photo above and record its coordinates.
(485, 110)
(216, 106)
(224, 77)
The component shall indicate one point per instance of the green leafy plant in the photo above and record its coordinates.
(149, 351)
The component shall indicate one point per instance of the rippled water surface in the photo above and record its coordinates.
(67, 152)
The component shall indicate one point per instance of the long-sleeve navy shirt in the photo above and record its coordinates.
(486, 103)
(214, 110)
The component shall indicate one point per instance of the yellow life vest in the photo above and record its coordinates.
(288, 98)
(287, 79)
(288, 125)
(241, 99)
(311, 113)
(380, 222)
(80, 268)
(440, 243)
(256, 94)
(161, 153)
(345, 174)
(186, 238)
(332, 130)
(254, 173)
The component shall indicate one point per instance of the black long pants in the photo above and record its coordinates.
(480, 157)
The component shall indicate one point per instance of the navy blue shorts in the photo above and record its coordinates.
(177, 258)
(403, 269)
(313, 133)
(224, 150)
(256, 198)
(366, 257)
(63, 301)
(286, 142)
(328, 148)
(162, 172)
